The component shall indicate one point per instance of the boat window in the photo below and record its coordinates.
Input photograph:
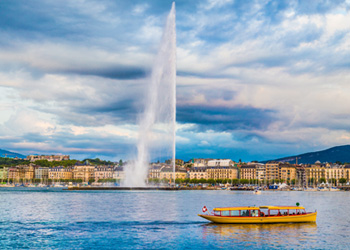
(284, 211)
(245, 213)
(254, 213)
(264, 212)
(217, 213)
(235, 213)
(274, 212)
(225, 213)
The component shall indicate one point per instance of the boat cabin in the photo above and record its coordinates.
(262, 211)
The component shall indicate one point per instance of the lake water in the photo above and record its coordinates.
(55, 219)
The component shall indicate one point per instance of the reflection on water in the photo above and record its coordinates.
(273, 234)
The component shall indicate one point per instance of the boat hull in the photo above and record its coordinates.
(302, 218)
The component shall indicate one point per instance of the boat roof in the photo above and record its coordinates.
(256, 208)
(235, 208)
(281, 207)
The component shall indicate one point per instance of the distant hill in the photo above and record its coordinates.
(5, 153)
(338, 153)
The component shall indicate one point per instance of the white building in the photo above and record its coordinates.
(220, 163)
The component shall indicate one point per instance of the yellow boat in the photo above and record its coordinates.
(260, 215)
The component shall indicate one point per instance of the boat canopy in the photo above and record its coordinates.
(280, 207)
(256, 208)
(235, 208)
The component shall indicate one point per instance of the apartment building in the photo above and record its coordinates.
(248, 172)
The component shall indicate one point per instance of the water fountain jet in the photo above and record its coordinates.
(160, 107)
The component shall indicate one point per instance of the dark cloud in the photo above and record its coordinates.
(85, 145)
(224, 118)
(117, 72)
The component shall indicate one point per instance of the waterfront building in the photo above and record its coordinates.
(300, 179)
(41, 173)
(287, 172)
(227, 172)
(13, 174)
(314, 173)
(167, 172)
(60, 173)
(28, 172)
(334, 172)
(272, 171)
(119, 173)
(83, 172)
(3, 174)
(154, 171)
(248, 172)
(260, 172)
(346, 172)
(21, 173)
(198, 173)
(103, 172)
(33, 158)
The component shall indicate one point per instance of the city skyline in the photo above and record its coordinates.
(256, 80)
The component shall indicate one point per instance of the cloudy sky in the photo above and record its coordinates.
(255, 79)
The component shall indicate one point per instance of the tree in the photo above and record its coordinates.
(211, 181)
(235, 181)
(187, 180)
(244, 181)
(42, 163)
(202, 180)
(342, 181)
(322, 180)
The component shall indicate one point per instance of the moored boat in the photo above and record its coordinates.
(260, 215)
(257, 191)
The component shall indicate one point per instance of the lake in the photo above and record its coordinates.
(35, 218)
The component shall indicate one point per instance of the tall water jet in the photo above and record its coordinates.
(158, 121)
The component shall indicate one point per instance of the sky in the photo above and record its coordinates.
(256, 80)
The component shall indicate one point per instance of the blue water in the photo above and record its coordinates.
(55, 219)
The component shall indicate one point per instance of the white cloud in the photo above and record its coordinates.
(210, 4)
(140, 9)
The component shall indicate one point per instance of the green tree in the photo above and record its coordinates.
(42, 163)
(235, 181)
(211, 181)
(342, 181)
(202, 180)
(322, 180)
(244, 181)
